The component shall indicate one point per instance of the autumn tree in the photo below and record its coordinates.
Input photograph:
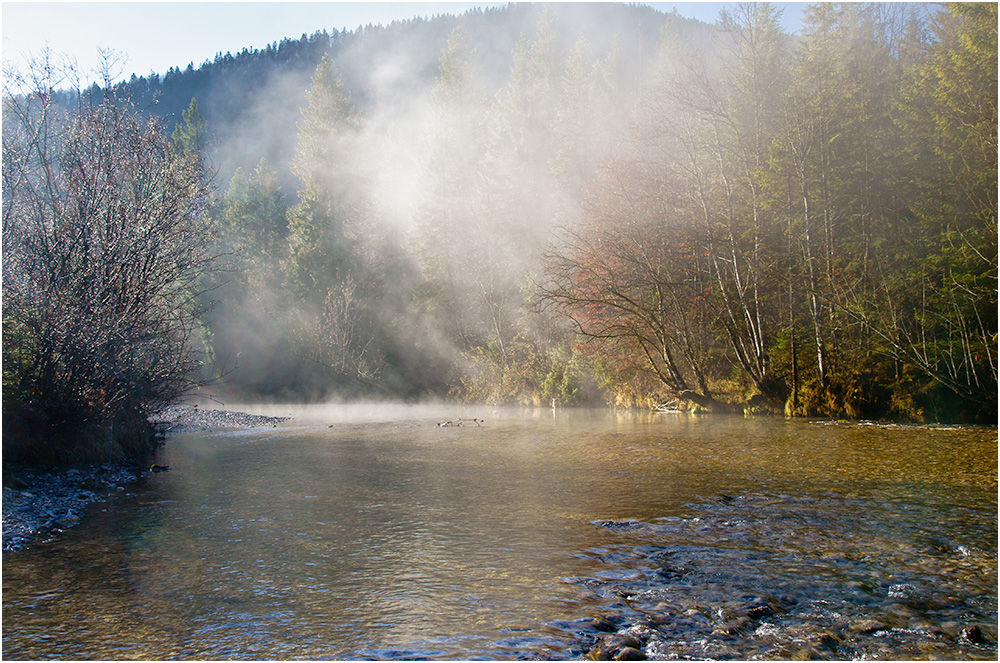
(634, 278)
(709, 118)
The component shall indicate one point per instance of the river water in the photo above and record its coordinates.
(346, 533)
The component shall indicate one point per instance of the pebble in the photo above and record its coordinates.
(602, 624)
(734, 627)
(972, 634)
(55, 501)
(38, 505)
(866, 626)
(630, 654)
(180, 419)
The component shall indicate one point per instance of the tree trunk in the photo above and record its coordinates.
(711, 404)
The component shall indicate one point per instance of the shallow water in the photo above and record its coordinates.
(349, 533)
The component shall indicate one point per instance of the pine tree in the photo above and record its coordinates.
(329, 205)
(254, 216)
(340, 260)
(937, 308)
(191, 135)
(455, 146)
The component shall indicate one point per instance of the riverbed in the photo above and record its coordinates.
(351, 533)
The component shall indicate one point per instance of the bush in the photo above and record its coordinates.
(104, 245)
(508, 373)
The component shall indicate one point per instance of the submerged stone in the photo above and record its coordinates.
(972, 635)
(866, 626)
(733, 627)
(67, 521)
(602, 624)
(630, 654)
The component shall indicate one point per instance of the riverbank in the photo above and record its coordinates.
(181, 419)
(39, 504)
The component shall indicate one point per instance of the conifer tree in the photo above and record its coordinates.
(318, 250)
(253, 220)
(455, 146)
(191, 134)
(936, 305)
(337, 261)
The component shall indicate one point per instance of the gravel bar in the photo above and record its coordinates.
(192, 419)
(38, 505)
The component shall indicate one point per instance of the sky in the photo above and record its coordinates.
(155, 36)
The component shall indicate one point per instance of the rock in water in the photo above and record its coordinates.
(971, 634)
(67, 521)
(630, 654)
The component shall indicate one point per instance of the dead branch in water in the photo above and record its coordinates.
(460, 422)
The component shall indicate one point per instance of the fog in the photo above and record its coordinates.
(573, 204)
(346, 413)
(440, 187)
(603, 203)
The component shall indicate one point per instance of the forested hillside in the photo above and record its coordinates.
(602, 203)
(335, 156)
(251, 100)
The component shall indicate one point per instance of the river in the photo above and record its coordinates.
(350, 533)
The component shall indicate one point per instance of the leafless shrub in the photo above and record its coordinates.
(104, 245)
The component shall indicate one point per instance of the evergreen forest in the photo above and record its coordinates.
(568, 204)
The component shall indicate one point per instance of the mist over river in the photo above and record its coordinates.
(349, 532)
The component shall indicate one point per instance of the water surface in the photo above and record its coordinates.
(354, 534)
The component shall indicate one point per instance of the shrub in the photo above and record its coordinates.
(104, 245)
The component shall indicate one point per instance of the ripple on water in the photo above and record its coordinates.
(784, 576)
(778, 540)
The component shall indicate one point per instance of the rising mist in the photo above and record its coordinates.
(604, 203)
(422, 179)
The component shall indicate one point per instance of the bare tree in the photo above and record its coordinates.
(103, 249)
(635, 278)
(344, 338)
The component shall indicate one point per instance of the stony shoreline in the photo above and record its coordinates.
(38, 505)
(179, 419)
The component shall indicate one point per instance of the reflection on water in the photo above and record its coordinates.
(349, 535)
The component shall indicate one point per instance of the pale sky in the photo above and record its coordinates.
(156, 36)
